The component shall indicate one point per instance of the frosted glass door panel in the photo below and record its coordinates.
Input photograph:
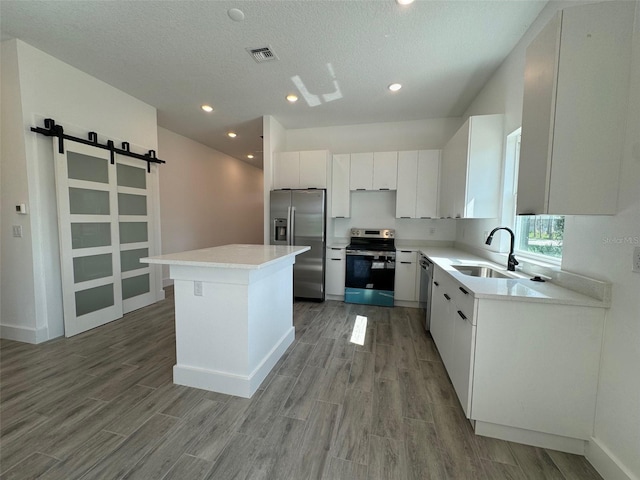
(87, 167)
(136, 233)
(129, 176)
(134, 286)
(130, 259)
(129, 204)
(92, 267)
(94, 299)
(83, 201)
(87, 235)
(133, 232)
(87, 203)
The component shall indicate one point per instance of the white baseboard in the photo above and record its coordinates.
(232, 383)
(606, 463)
(23, 334)
(529, 437)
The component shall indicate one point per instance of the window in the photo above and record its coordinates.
(540, 235)
(537, 236)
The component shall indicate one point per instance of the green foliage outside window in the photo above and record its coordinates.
(540, 234)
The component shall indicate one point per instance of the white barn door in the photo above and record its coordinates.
(105, 226)
(88, 230)
(136, 233)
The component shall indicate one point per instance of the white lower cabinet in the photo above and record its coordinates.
(441, 327)
(335, 271)
(453, 331)
(406, 275)
(523, 371)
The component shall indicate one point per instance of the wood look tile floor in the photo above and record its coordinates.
(102, 405)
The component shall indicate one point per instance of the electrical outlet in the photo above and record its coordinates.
(432, 231)
(17, 231)
(636, 260)
(197, 288)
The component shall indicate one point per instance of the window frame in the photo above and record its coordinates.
(510, 197)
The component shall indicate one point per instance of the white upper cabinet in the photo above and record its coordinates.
(361, 171)
(471, 169)
(374, 171)
(305, 169)
(418, 178)
(340, 191)
(385, 170)
(573, 118)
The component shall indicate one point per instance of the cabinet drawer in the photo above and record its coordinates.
(406, 256)
(465, 302)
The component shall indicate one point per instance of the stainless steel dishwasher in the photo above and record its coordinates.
(426, 278)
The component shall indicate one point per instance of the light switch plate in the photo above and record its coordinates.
(636, 260)
(197, 288)
(17, 231)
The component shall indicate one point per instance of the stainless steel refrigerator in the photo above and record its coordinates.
(298, 217)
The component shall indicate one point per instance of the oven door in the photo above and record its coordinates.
(370, 277)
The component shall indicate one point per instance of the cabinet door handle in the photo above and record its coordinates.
(406, 251)
(436, 284)
(462, 315)
(337, 259)
(425, 217)
(383, 189)
(334, 248)
(360, 189)
(463, 290)
(447, 296)
(406, 263)
(339, 217)
(405, 217)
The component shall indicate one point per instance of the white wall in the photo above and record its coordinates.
(39, 86)
(375, 137)
(273, 140)
(206, 197)
(596, 246)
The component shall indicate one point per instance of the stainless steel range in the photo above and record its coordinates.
(371, 264)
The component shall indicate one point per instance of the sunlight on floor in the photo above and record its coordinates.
(359, 330)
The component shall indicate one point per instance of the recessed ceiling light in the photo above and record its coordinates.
(404, 2)
(249, 156)
(232, 134)
(394, 87)
(292, 98)
(207, 108)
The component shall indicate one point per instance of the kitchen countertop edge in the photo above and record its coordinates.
(520, 289)
(255, 256)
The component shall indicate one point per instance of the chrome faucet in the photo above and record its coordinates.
(511, 260)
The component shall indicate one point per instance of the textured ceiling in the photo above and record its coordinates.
(178, 55)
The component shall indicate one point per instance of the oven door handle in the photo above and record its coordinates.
(370, 253)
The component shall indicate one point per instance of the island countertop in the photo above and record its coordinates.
(238, 256)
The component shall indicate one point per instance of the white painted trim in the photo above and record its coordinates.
(606, 463)
(233, 384)
(530, 437)
(23, 334)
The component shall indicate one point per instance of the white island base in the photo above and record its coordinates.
(234, 314)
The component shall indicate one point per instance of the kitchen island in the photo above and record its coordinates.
(233, 314)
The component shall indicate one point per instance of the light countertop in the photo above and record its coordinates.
(520, 288)
(230, 256)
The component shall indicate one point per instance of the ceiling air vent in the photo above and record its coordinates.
(263, 54)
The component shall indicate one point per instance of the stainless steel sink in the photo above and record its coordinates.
(480, 271)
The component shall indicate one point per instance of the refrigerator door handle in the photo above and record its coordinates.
(292, 223)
